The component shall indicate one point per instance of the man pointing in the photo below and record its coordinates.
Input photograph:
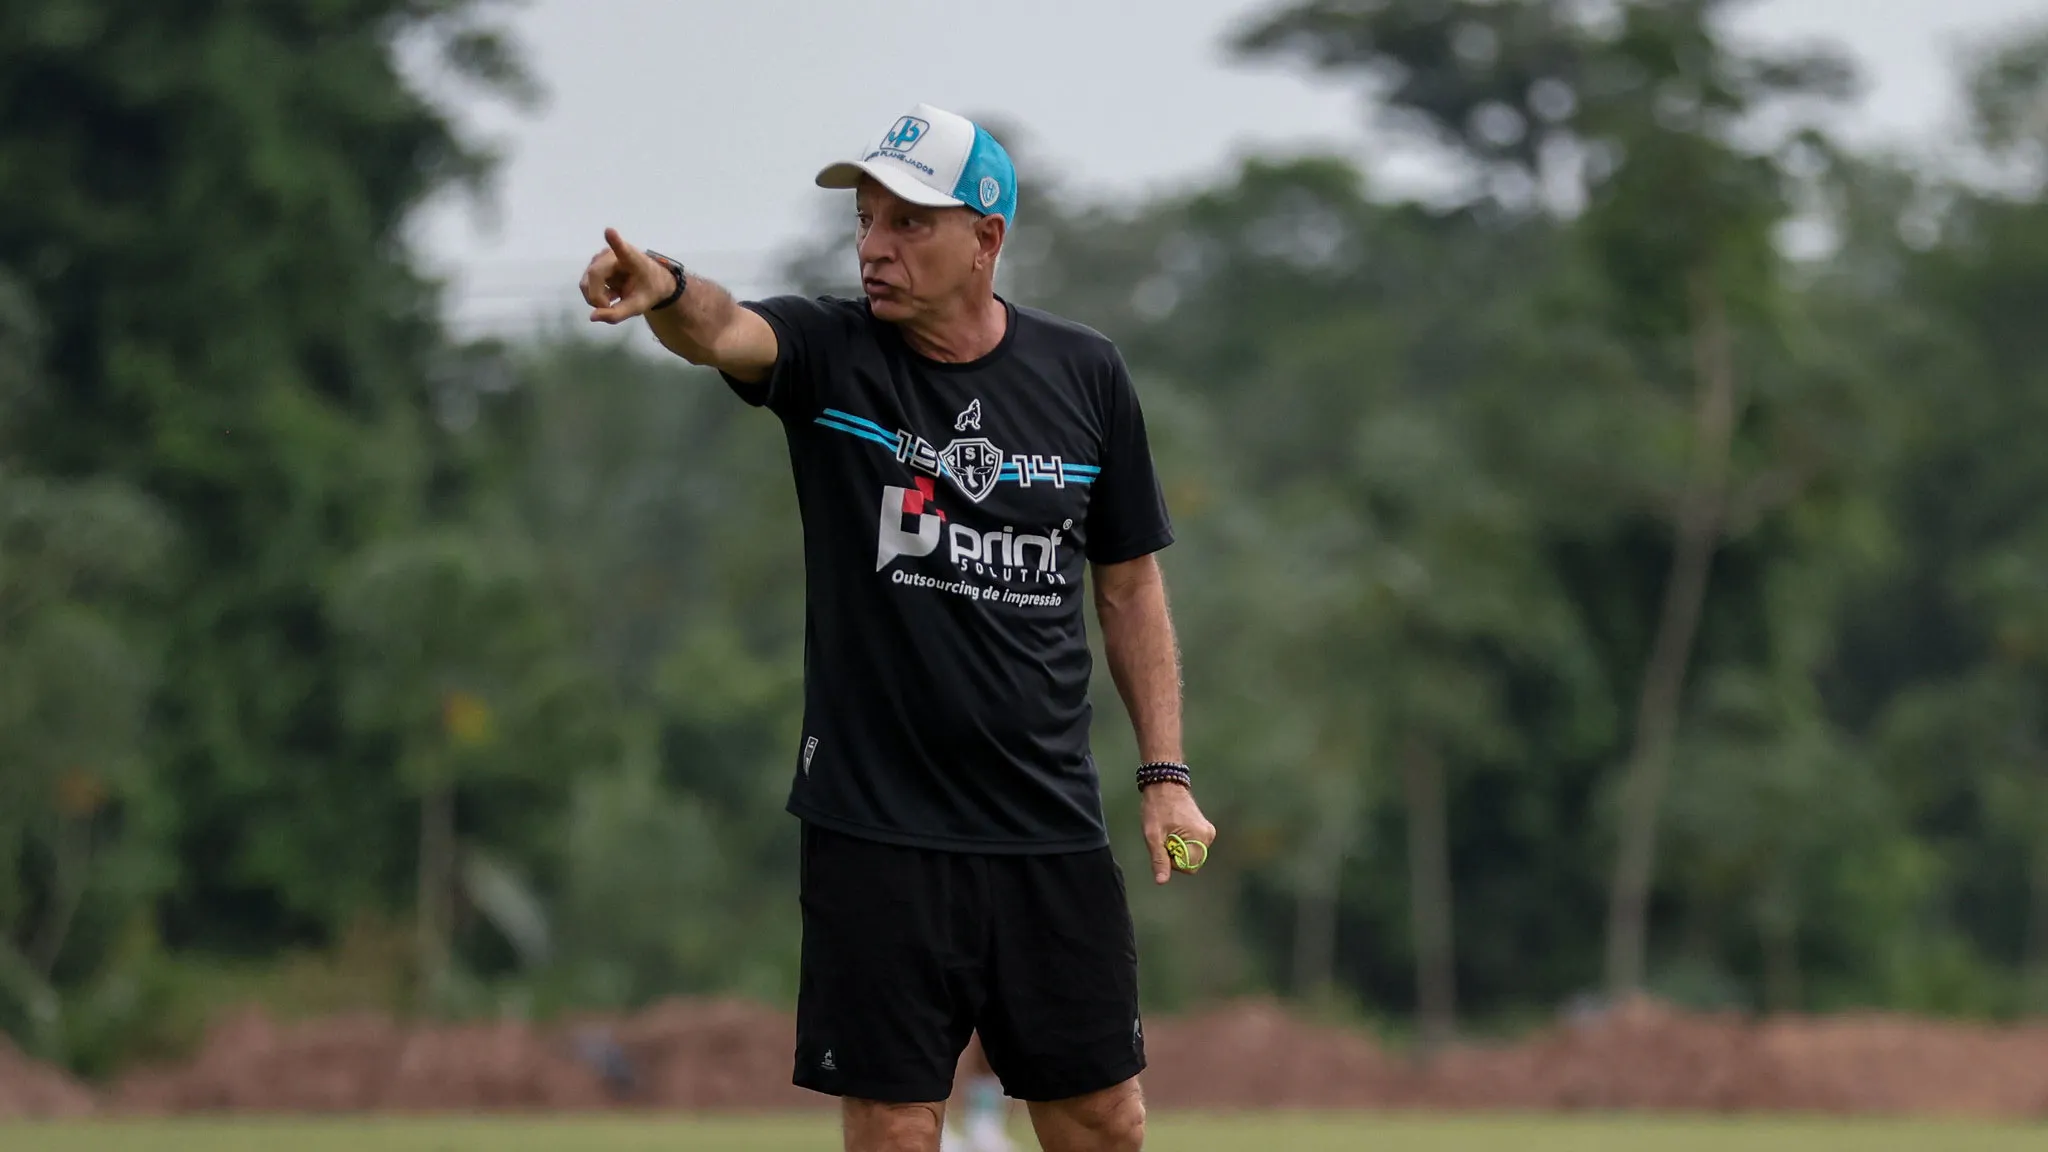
(963, 465)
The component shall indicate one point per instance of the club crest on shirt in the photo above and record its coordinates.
(974, 466)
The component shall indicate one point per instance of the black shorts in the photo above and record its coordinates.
(906, 951)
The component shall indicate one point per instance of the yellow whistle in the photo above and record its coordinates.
(1178, 849)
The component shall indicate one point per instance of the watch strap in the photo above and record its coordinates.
(675, 269)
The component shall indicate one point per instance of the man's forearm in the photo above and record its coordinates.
(691, 326)
(1144, 660)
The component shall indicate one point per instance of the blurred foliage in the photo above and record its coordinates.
(1578, 591)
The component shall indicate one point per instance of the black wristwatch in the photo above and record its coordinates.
(674, 269)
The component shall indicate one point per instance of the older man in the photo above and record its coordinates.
(962, 464)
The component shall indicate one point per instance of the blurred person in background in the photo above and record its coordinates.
(977, 1117)
(962, 464)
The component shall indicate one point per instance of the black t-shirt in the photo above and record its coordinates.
(949, 513)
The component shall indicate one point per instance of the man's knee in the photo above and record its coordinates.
(1122, 1125)
(1112, 1120)
(872, 1126)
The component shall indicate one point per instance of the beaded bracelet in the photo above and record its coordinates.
(1164, 772)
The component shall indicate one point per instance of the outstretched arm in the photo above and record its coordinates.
(704, 326)
(1144, 660)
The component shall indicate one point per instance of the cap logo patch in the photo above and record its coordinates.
(905, 135)
(990, 191)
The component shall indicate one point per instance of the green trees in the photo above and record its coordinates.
(205, 205)
(78, 570)
(1631, 122)
(1576, 589)
(1962, 732)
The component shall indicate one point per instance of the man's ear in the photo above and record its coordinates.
(989, 233)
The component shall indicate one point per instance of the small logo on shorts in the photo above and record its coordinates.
(827, 1063)
(1137, 1032)
(810, 750)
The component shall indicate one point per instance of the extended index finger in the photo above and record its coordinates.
(626, 252)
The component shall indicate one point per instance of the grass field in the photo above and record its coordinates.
(1180, 1133)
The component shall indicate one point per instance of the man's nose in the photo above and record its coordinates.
(874, 247)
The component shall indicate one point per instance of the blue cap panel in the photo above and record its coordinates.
(988, 182)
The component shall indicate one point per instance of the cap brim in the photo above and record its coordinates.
(890, 176)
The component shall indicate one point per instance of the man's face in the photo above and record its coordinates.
(914, 260)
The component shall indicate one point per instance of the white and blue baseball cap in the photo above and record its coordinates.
(938, 159)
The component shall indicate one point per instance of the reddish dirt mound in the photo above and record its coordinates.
(730, 1055)
(489, 1067)
(249, 1063)
(715, 1054)
(678, 1055)
(1640, 1056)
(1253, 1054)
(360, 1064)
(32, 1091)
(1888, 1064)
(1647, 1057)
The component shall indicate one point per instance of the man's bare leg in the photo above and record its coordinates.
(1112, 1120)
(873, 1127)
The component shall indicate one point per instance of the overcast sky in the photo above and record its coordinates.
(695, 126)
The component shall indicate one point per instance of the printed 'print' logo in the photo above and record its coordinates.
(916, 507)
